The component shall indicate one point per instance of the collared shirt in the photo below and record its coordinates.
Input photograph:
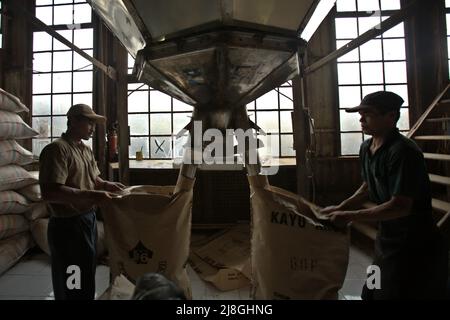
(398, 168)
(71, 164)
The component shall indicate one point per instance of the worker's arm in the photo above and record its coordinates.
(397, 207)
(101, 184)
(57, 193)
(354, 202)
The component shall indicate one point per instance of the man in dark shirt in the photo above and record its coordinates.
(409, 249)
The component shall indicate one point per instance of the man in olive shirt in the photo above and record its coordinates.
(70, 182)
(409, 249)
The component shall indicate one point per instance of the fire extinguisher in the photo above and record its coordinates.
(112, 144)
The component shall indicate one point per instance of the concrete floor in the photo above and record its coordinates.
(30, 279)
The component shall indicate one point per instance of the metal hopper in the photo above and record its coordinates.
(217, 55)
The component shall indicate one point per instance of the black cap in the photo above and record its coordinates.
(382, 100)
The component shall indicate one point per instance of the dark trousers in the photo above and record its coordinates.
(72, 243)
(412, 275)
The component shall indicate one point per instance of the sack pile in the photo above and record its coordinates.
(15, 182)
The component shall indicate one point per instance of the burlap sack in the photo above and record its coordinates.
(293, 255)
(224, 261)
(148, 230)
(38, 211)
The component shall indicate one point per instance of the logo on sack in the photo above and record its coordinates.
(140, 254)
(288, 219)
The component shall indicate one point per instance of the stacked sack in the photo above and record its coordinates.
(15, 237)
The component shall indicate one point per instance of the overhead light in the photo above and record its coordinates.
(322, 10)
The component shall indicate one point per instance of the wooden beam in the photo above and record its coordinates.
(432, 138)
(41, 25)
(436, 156)
(365, 37)
(440, 205)
(439, 179)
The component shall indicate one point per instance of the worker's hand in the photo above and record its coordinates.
(100, 197)
(330, 209)
(340, 218)
(113, 186)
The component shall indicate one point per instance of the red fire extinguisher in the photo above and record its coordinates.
(113, 144)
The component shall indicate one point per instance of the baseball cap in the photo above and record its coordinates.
(381, 100)
(85, 111)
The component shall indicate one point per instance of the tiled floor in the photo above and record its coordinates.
(30, 279)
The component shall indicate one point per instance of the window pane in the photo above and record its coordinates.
(38, 145)
(58, 45)
(62, 61)
(447, 17)
(88, 142)
(370, 89)
(45, 15)
(42, 125)
(42, 62)
(267, 101)
(159, 101)
(394, 49)
(286, 121)
(85, 98)
(349, 96)
(63, 14)
(138, 101)
(271, 146)
(62, 82)
(43, 2)
(394, 32)
(160, 124)
(42, 41)
(350, 121)
(368, 5)
(130, 61)
(345, 5)
(367, 23)
(350, 143)
(287, 146)
(348, 73)
(180, 120)
(138, 144)
(371, 51)
(61, 103)
(346, 28)
(41, 105)
(403, 122)
(82, 81)
(268, 121)
(181, 106)
(372, 72)
(83, 38)
(42, 83)
(395, 72)
(179, 146)
(351, 56)
(138, 124)
(82, 13)
(59, 126)
(61, 1)
(286, 98)
(80, 63)
(390, 4)
(401, 90)
(161, 147)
